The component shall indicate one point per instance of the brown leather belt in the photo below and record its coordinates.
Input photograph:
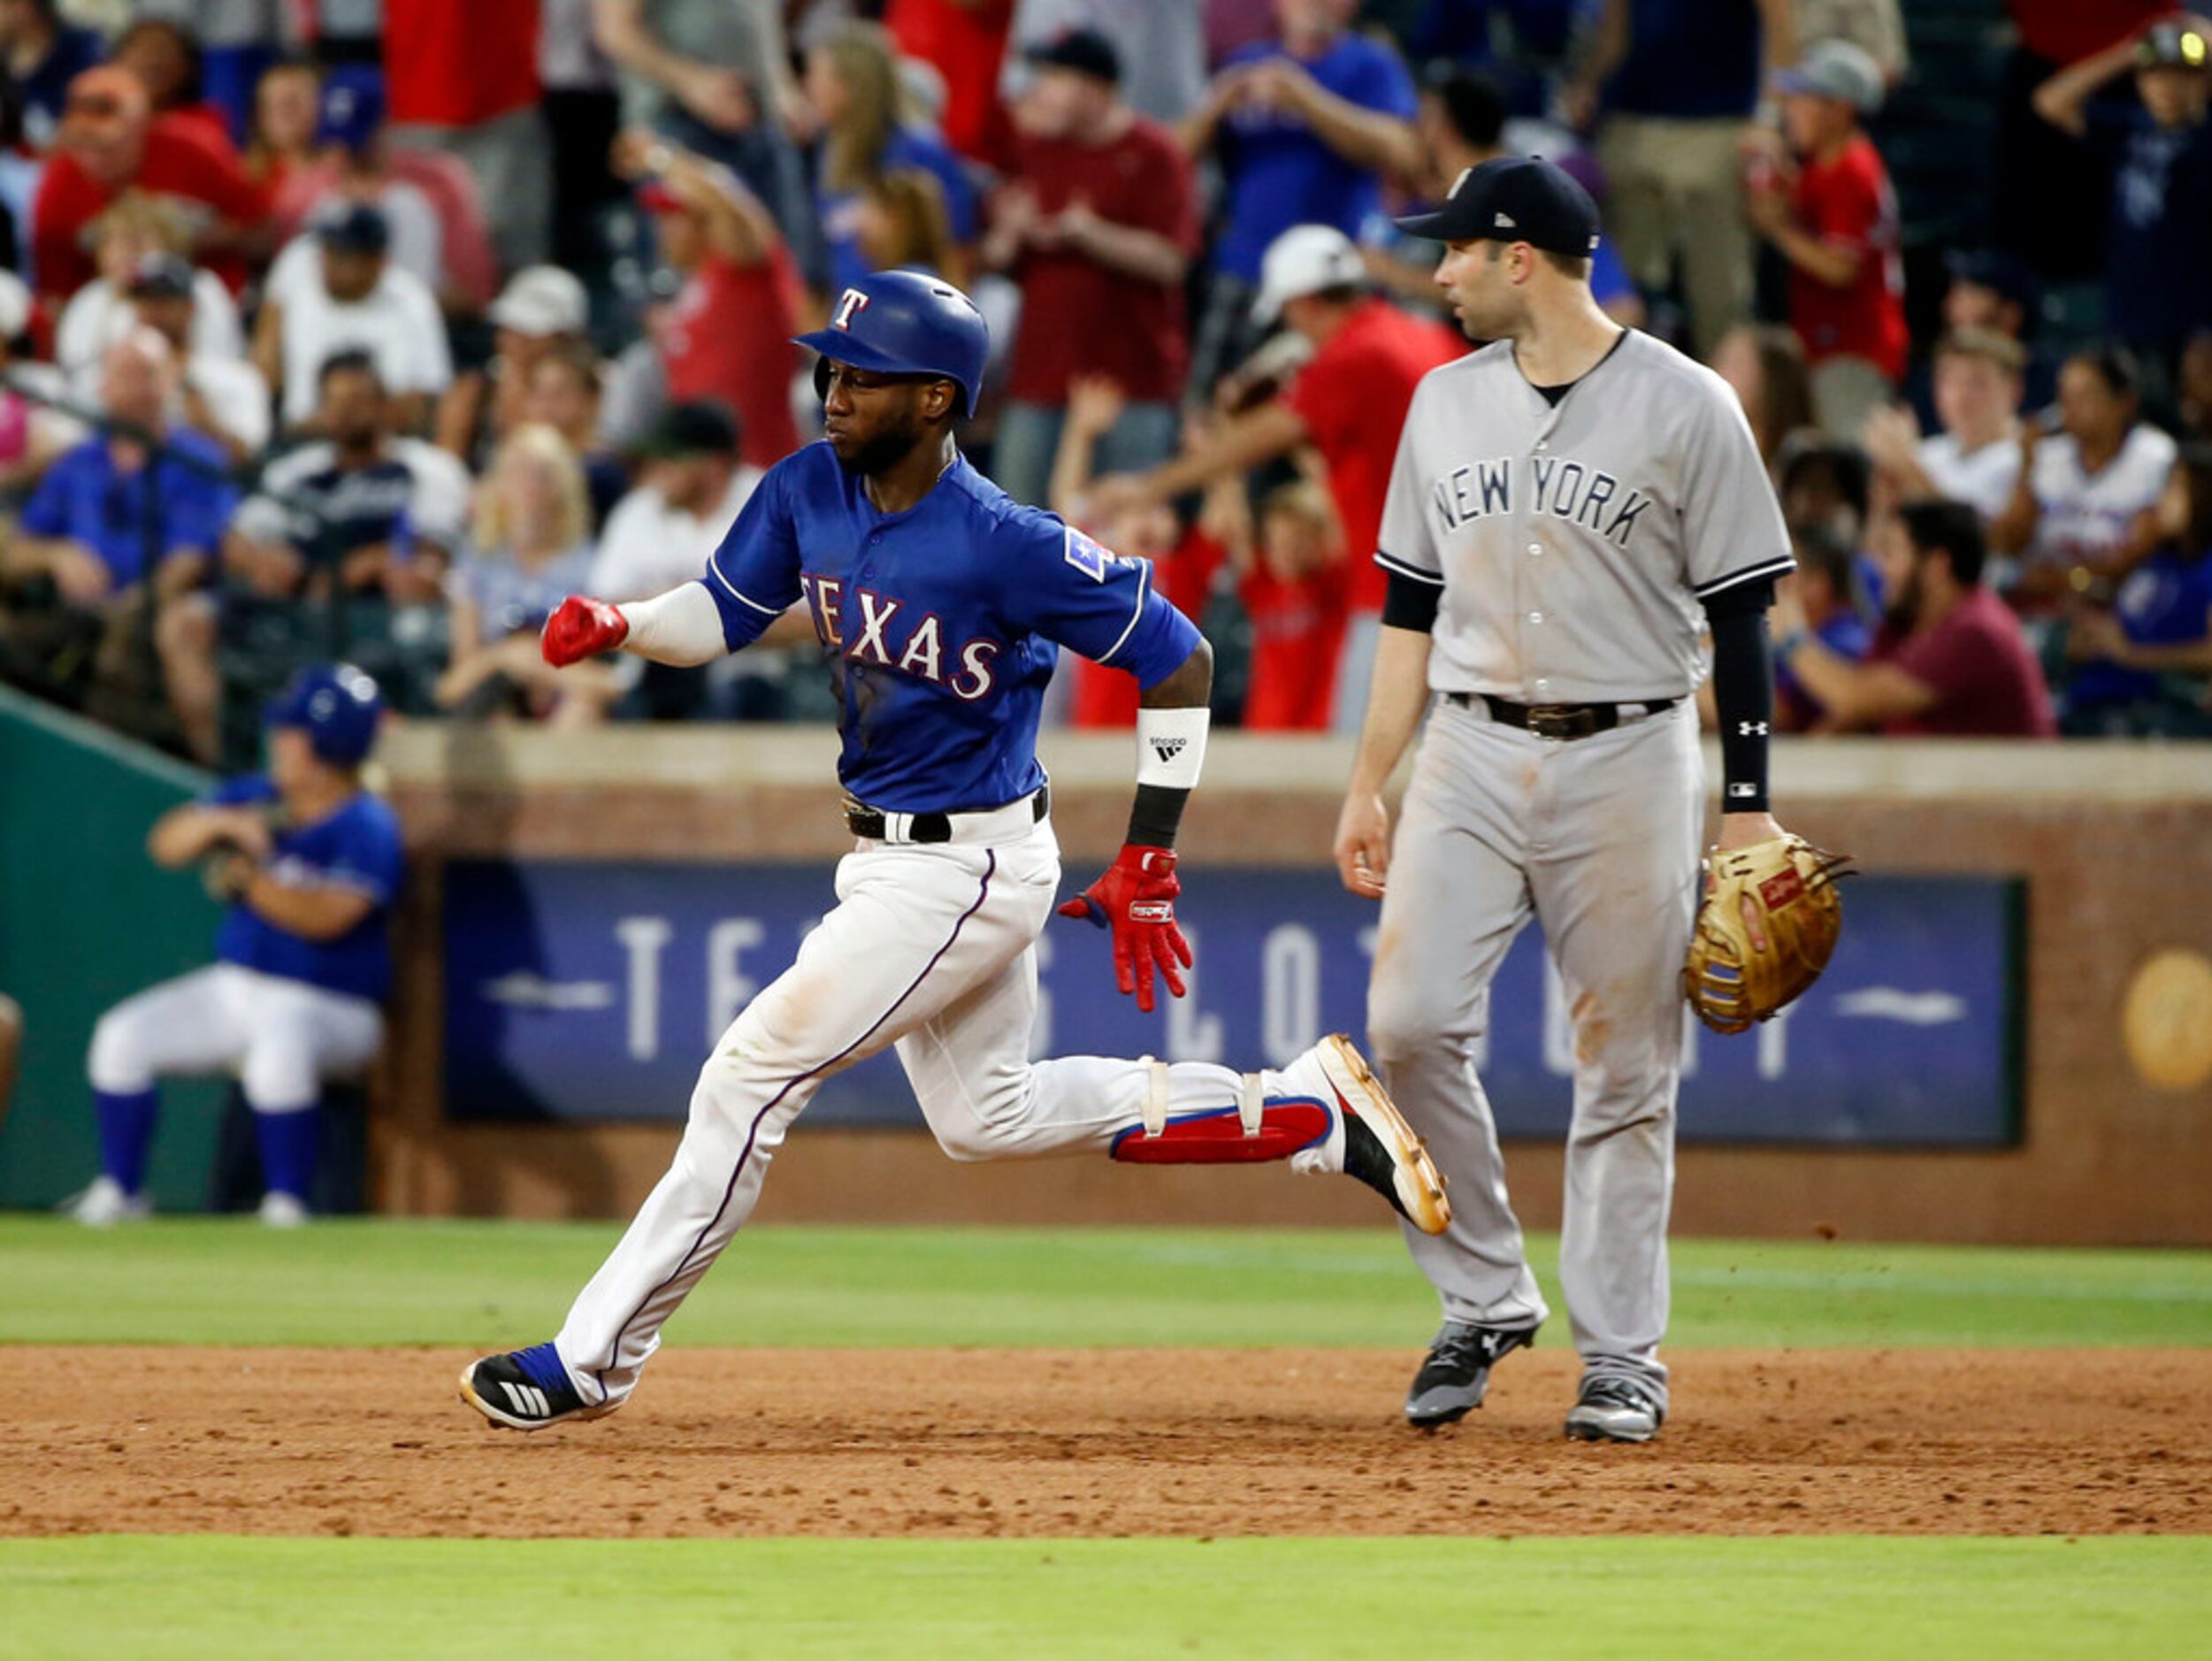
(1564, 722)
(864, 820)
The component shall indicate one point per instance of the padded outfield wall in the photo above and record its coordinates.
(2015, 1045)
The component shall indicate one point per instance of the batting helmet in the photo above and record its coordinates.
(337, 706)
(906, 323)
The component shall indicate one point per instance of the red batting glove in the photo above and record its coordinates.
(1136, 899)
(581, 628)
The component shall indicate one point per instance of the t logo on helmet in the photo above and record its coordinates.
(851, 303)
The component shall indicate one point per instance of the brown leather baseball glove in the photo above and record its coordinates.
(1788, 885)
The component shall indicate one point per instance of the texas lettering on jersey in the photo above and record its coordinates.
(1555, 484)
(891, 634)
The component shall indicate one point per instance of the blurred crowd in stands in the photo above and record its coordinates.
(369, 328)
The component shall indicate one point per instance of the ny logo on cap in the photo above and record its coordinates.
(851, 303)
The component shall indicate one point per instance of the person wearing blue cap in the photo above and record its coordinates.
(1834, 217)
(306, 864)
(350, 130)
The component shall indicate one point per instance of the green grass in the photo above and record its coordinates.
(193, 1281)
(1806, 1599)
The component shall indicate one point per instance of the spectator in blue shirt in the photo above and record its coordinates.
(2158, 242)
(1676, 82)
(1305, 128)
(1828, 589)
(2144, 666)
(40, 56)
(113, 526)
(853, 88)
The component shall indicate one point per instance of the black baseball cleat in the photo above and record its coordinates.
(526, 1390)
(1612, 1408)
(1456, 1373)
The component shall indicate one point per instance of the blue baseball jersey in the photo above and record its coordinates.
(942, 624)
(355, 848)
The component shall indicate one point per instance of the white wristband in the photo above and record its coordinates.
(1171, 746)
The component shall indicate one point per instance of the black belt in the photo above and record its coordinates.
(863, 821)
(1559, 721)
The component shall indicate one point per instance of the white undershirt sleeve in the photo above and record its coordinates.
(683, 626)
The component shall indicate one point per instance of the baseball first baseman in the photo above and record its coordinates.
(1572, 506)
(942, 605)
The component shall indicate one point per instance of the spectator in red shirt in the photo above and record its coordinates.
(964, 41)
(726, 336)
(287, 110)
(1348, 403)
(1949, 659)
(1185, 561)
(1293, 585)
(463, 80)
(1097, 223)
(110, 141)
(1836, 224)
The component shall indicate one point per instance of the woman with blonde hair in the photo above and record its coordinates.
(868, 130)
(902, 223)
(100, 313)
(529, 544)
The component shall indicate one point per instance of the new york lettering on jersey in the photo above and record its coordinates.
(942, 624)
(1574, 542)
(1559, 486)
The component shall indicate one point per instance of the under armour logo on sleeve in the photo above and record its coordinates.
(1751, 728)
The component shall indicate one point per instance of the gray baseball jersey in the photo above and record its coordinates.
(1574, 543)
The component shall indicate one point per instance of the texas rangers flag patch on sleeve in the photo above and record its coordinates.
(1086, 555)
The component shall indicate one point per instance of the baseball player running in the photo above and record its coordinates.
(941, 605)
(1570, 506)
(309, 864)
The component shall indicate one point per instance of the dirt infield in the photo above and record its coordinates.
(1111, 1441)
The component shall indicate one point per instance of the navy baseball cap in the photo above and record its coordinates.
(2006, 274)
(353, 107)
(1086, 51)
(1514, 199)
(703, 427)
(356, 229)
